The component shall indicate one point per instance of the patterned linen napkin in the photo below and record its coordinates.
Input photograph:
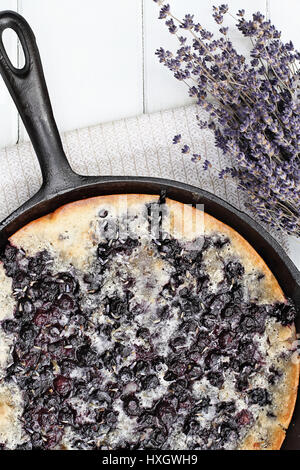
(139, 146)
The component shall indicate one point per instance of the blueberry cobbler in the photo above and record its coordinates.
(121, 329)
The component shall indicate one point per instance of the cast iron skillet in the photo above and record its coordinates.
(62, 185)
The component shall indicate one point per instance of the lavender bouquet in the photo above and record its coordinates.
(252, 107)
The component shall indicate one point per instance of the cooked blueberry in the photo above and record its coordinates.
(62, 384)
(108, 359)
(122, 350)
(248, 324)
(87, 356)
(234, 270)
(115, 245)
(9, 326)
(66, 415)
(10, 253)
(65, 302)
(228, 431)
(116, 307)
(242, 382)
(170, 376)
(177, 365)
(54, 436)
(179, 388)
(209, 320)
(202, 341)
(190, 307)
(157, 363)
(178, 343)
(42, 318)
(131, 405)
(157, 439)
(150, 381)
(285, 313)
(274, 376)
(220, 242)
(194, 371)
(244, 417)
(188, 326)
(37, 264)
(146, 419)
(49, 290)
(259, 396)
(125, 374)
(103, 251)
(103, 398)
(219, 302)
(230, 311)
(226, 407)
(163, 312)
(111, 418)
(202, 404)
(103, 213)
(37, 441)
(246, 350)
(67, 283)
(27, 333)
(27, 307)
(31, 359)
(66, 366)
(20, 279)
(191, 425)
(143, 333)
(226, 339)
(165, 412)
(106, 329)
(184, 292)
(213, 359)
(141, 367)
(113, 390)
(170, 247)
(237, 293)
(216, 379)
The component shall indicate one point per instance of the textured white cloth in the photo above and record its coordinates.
(135, 146)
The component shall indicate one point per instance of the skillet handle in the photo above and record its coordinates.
(28, 89)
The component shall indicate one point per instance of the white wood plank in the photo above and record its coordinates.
(162, 90)
(285, 16)
(8, 112)
(92, 57)
(294, 246)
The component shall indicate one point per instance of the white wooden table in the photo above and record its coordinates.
(99, 60)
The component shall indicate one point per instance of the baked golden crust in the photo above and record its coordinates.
(273, 434)
(249, 257)
(69, 232)
(52, 231)
(74, 217)
(272, 440)
(285, 402)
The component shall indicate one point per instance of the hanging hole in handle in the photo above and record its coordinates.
(14, 49)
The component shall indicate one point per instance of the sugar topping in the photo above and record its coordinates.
(155, 345)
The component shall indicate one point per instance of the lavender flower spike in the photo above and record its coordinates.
(253, 107)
